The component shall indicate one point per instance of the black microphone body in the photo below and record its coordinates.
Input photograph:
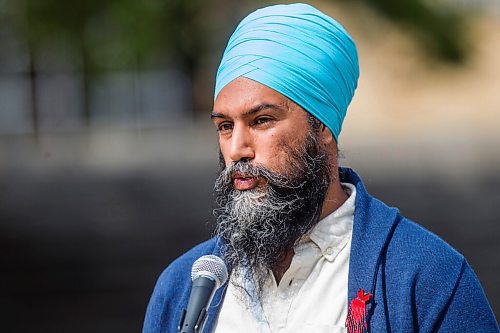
(202, 293)
(209, 273)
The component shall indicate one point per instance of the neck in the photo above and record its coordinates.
(335, 197)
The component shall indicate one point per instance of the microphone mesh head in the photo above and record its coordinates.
(210, 266)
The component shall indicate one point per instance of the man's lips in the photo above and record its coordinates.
(242, 183)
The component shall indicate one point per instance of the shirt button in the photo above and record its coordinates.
(329, 251)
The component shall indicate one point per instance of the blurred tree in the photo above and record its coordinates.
(441, 29)
(195, 30)
(108, 35)
(16, 16)
(39, 22)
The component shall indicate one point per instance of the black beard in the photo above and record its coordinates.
(260, 225)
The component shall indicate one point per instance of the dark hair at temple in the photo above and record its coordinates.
(313, 122)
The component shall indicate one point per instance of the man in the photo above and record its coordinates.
(309, 250)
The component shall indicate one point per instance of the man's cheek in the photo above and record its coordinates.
(279, 162)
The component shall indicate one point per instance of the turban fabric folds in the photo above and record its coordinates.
(301, 53)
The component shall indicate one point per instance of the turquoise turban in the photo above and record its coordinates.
(301, 53)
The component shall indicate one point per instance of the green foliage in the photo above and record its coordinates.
(440, 30)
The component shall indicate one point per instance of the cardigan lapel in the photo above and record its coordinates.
(374, 223)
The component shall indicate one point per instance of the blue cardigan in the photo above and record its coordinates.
(419, 283)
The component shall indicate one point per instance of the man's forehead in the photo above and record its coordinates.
(249, 96)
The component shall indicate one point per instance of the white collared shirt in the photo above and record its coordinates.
(312, 294)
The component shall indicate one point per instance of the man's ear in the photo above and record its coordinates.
(326, 135)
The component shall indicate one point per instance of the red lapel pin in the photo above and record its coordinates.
(356, 317)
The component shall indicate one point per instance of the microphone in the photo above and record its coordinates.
(208, 274)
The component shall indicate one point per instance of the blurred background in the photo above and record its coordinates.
(107, 153)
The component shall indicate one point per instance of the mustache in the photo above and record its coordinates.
(246, 169)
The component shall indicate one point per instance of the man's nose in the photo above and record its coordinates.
(241, 144)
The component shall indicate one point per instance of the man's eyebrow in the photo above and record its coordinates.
(255, 109)
(263, 106)
(217, 115)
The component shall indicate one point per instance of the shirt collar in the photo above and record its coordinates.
(332, 233)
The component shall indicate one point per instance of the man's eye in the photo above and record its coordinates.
(262, 120)
(224, 127)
